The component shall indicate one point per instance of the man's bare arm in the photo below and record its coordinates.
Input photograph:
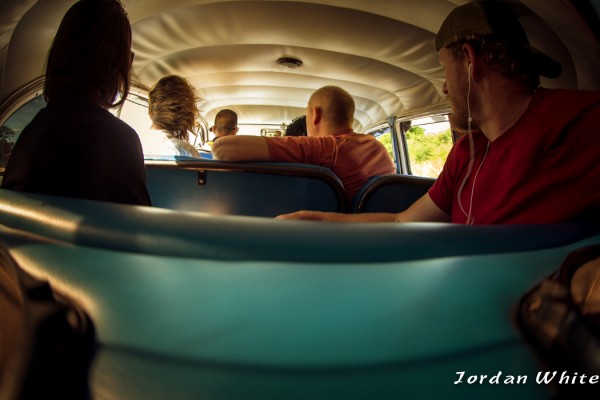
(338, 217)
(241, 148)
(423, 210)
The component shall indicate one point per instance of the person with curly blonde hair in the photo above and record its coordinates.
(172, 109)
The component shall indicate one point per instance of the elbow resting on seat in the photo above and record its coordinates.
(241, 148)
(219, 152)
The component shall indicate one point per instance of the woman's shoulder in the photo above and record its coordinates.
(82, 112)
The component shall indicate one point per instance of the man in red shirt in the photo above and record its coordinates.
(531, 155)
(331, 142)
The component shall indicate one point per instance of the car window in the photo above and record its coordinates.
(428, 142)
(12, 128)
(385, 137)
(134, 112)
(383, 133)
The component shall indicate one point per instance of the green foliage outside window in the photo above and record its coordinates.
(386, 140)
(427, 152)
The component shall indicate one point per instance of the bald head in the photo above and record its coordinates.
(225, 123)
(334, 107)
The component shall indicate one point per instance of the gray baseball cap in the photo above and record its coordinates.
(496, 19)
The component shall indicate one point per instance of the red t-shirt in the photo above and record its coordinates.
(354, 158)
(545, 169)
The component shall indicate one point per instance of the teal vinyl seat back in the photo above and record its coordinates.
(390, 193)
(251, 189)
(183, 235)
(293, 310)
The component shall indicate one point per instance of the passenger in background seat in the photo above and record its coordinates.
(225, 124)
(75, 147)
(172, 109)
(297, 127)
(331, 142)
(531, 155)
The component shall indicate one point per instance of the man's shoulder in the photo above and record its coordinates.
(354, 137)
(571, 98)
(561, 106)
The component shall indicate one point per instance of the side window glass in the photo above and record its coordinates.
(12, 128)
(383, 133)
(428, 142)
(134, 112)
(385, 138)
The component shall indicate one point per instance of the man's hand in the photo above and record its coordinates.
(313, 216)
(338, 217)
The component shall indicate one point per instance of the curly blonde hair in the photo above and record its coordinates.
(172, 106)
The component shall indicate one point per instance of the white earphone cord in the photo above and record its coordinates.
(470, 219)
(471, 150)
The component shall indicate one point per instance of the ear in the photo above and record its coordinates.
(470, 59)
(317, 115)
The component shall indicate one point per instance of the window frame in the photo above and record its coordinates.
(21, 97)
(403, 122)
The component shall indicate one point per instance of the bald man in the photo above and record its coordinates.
(225, 124)
(330, 142)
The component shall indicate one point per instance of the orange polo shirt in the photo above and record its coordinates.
(353, 157)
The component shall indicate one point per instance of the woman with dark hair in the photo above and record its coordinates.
(172, 109)
(75, 147)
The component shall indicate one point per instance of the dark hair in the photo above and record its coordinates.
(297, 127)
(512, 61)
(172, 106)
(91, 53)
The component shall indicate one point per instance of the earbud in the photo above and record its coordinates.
(469, 69)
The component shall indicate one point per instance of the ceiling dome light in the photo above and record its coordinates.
(289, 62)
